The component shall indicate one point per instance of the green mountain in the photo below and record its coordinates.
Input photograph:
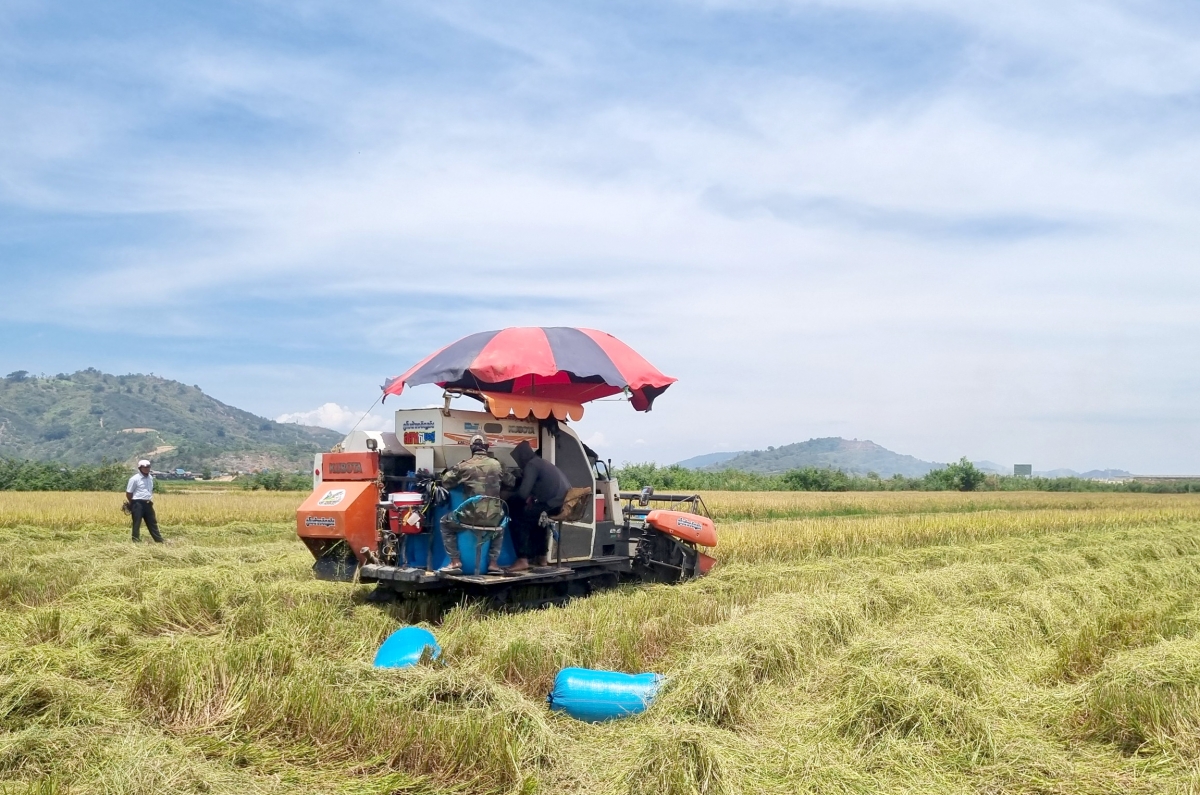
(832, 452)
(90, 416)
(707, 461)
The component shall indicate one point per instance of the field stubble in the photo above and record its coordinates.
(847, 643)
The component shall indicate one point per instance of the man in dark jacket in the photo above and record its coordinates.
(543, 489)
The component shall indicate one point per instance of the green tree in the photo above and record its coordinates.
(959, 476)
(276, 481)
(814, 479)
(18, 475)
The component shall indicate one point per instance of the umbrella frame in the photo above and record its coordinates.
(541, 408)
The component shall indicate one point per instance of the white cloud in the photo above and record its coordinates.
(835, 259)
(596, 440)
(339, 418)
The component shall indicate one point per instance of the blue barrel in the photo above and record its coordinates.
(405, 646)
(468, 545)
(419, 547)
(594, 696)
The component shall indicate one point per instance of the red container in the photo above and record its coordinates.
(402, 505)
(600, 508)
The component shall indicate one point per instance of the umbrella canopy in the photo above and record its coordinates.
(568, 364)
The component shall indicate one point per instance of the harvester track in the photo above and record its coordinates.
(541, 586)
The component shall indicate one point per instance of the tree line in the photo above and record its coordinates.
(19, 475)
(959, 476)
(24, 475)
(16, 475)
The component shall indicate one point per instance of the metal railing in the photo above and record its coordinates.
(640, 503)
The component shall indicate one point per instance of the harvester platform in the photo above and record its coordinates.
(541, 585)
(400, 575)
(534, 573)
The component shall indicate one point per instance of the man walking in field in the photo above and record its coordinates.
(139, 492)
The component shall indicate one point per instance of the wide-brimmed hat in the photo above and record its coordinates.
(143, 463)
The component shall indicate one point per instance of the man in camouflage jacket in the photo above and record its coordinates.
(481, 477)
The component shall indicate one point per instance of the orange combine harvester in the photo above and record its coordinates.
(377, 502)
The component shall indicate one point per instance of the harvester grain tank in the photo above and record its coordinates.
(376, 504)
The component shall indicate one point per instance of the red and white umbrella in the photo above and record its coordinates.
(565, 364)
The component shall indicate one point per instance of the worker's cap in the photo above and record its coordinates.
(479, 441)
(143, 463)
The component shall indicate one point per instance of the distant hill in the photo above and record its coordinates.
(90, 416)
(1057, 473)
(708, 459)
(1091, 474)
(849, 455)
(859, 458)
(1106, 474)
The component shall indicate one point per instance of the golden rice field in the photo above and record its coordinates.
(196, 509)
(210, 507)
(847, 643)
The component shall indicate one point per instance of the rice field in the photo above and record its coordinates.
(83, 510)
(847, 643)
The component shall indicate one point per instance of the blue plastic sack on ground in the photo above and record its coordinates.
(404, 648)
(594, 696)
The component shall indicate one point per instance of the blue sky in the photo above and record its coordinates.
(954, 228)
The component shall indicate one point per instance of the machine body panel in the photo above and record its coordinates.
(688, 526)
(350, 466)
(338, 511)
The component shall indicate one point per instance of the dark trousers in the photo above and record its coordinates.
(529, 540)
(144, 509)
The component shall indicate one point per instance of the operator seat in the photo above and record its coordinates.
(573, 509)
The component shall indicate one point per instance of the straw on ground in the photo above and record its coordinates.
(847, 643)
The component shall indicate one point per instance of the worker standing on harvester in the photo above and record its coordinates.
(543, 489)
(139, 493)
(481, 477)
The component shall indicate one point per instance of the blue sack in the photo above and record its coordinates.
(594, 696)
(405, 646)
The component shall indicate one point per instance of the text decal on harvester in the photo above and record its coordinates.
(320, 521)
(332, 497)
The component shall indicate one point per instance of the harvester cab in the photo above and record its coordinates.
(377, 502)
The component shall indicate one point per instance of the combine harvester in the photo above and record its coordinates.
(376, 504)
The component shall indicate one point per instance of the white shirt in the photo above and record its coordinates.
(141, 486)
